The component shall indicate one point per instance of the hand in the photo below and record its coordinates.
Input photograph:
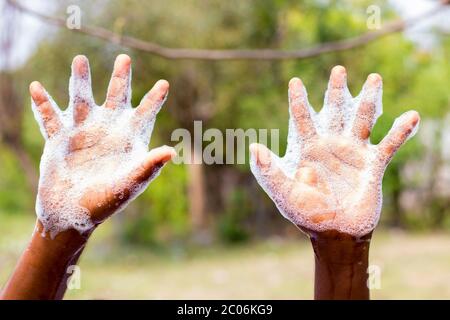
(331, 175)
(96, 158)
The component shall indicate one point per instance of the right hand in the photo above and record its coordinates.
(337, 178)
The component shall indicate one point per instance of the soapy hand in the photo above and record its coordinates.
(96, 158)
(331, 175)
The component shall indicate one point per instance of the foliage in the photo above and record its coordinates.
(229, 94)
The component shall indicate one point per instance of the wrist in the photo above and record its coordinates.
(334, 247)
(55, 254)
(341, 262)
(65, 244)
(41, 272)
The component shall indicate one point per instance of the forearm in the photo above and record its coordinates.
(341, 263)
(41, 272)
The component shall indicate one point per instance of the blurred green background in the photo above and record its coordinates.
(210, 231)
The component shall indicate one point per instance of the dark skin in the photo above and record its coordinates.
(341, 258)
(341, 263)
(334, 194)
(42, 270)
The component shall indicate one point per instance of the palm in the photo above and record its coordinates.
(330, 178)
(336, 183)
(95, 159)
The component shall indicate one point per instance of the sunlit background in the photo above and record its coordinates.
(209, 231)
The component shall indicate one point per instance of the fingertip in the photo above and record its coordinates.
(404, 128)
(296, 90)
(80, 57)
(152, 163)
(414, 117)
(35, 86)
(170, 152)
(80, 65)
(123, 60)
(261, 154)
(163, 87)
(163, 84)
(253, 149)
(37, 92)
(162, 154)
(295, 83)
(410, 117)
(338, 76)
(122, 66)
(374, 79)
(338, 70)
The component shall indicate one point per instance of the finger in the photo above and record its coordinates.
(104, 200)
(369, 107)
(335, 99)
(116, 197)
(119, 87)
(46, 112)
(299, 108)
(266, 170)
(151, 165)
(151, 104)
(403, 128)
(80, 89)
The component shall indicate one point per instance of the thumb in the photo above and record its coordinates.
(151, 165)
(265, 168)
(105, 200)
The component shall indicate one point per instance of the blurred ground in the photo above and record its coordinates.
(414, 266)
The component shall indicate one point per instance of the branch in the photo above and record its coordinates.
(237, 54)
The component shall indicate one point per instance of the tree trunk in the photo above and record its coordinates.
(397, 214)
(196, 189)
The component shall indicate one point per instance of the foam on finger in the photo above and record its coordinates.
(346, 194)
(97, 155)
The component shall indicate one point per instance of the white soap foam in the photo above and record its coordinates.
(116, 146)
(349, 199)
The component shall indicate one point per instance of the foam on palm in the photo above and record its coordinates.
(347, 196)
(112, 147)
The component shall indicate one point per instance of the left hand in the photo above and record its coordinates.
(331, 175)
